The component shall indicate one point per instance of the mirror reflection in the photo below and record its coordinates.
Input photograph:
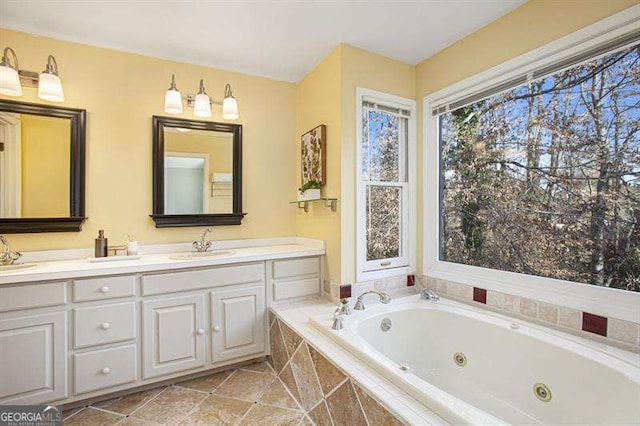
(35, 166)
(198, 171)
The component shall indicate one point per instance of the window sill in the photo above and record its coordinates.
(383, 273)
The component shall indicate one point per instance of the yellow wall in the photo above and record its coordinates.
(361, 68)
(46, 157)
(121, 91)
(318, 103)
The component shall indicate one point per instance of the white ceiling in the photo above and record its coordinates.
(281, 39)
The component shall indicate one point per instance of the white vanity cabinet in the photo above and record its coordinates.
(33, 364)
(69, 338)
(174, 334)
(238, 321)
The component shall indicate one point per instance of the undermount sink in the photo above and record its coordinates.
(203, 255)
(16, 267)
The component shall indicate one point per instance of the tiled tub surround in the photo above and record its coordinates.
(610, 331)
(249, 395)
(472, 366)
(331, 384)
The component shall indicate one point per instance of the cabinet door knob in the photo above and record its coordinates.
(106, 370)
(216, 328)
(104, 289)
(105, 325)
(200, 331)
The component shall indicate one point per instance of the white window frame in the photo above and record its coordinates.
(609, 302)
(405, 264)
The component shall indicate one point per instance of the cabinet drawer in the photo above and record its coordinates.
(98, 325)
(296, 267)
(297, 288)
(102, 369)
(32, 296)
(203, 278)
(104, 288)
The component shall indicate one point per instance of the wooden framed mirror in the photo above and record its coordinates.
(197, 173)
(42, 168)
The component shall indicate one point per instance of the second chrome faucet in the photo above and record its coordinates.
(202, 245)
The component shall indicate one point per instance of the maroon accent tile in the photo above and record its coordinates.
(479, 295)
(345, 291)
(411, 280)
(594, 324)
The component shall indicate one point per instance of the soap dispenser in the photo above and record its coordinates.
(101, 245)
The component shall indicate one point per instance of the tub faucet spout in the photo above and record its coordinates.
(427, 294)
(384, 298)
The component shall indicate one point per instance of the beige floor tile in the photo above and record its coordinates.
(132, 421)
(93, 417)
(260, 367)
(170, 406)
(276, 394)
(206, 383)
(68, 413)
(247, 385)
(218, 410)
(320, 415)
(129, 403)
(271, 416)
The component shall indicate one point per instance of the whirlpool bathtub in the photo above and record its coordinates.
(472, 366)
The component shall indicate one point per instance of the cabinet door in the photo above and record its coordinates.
(173, 335)
(33, 362)
(238, 322)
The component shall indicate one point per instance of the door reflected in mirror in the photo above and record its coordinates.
(35, 166)
(198, 171)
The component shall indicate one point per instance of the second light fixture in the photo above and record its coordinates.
(201, 102)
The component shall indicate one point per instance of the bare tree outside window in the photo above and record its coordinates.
(545, 179)
(384, 174)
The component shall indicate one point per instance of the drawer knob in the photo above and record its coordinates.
(216, 328)
(104, 289)
(200, 332)
(105, 325)
(106, 370)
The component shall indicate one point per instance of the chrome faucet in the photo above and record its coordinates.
(339, 320)
(384, 298)
(7, 257)
(202, 245)
(427, 294)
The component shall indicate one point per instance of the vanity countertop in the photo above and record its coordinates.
(76, 268)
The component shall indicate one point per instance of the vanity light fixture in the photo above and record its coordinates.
(201, 102)
(202, 105)
(48, 82)
(173, 99)
(229, 105)
(9, 78)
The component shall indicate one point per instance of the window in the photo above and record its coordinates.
(385, 176)
(533, 173)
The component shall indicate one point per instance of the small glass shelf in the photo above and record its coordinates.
(328, 202)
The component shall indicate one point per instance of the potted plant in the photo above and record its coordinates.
(309, 191)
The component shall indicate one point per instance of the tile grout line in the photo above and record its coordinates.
(364, 413)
